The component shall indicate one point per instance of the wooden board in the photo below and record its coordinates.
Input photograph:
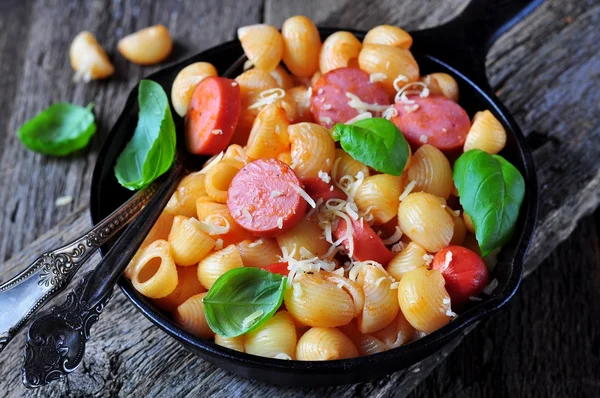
(545, 70)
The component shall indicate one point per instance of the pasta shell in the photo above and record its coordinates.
(185, 83)
(153, 272)
(283, 78)
(188, 286)
(301, 95)
(391, 62)
(312, 149)
(233, 343)
(423, 299)
(460, 229)
(390, 36)
(423, 219)
(218, 178)
(346, 165)
(160, 229)
(189, 244)
(269, 135)
(468, 223)
(486, 133)
(306, 234)
(259, 253)
(218, 263)
(411, 257)
(183, 201)
(441, 84)
(397, 333)
(273, 338)
(379, 196)
(339, 50)
(431, 171)
(190, 316)
(366, 344)
(381, 302)
(302, 45)
(325, 344)
(262, 44)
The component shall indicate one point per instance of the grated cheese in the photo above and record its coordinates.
(247, 65)
(324, 177)
(267, 97)
(315, 209)
(326, 107)
(234, 83)
(251, 318)
(352, 212)
(304, 195)
(451, 313)
(360, 116)
(299, 267)
(407, 190)
(390, 112)
(361, 106)
(275, 193)
(247, 214)
(411, 88)
(325, 119)
(331, 188)
(339, 271)
(217, 132)
(411, 108)
(283, 355)
(277, 129)
(394, 238)
(219, 244)
(297, 290)
(398, 247)
(428, 258)
(212, 162)
(356, 267)
(378, 281)
(63, 201)
(377, 77)
(305, 253)
(491, 287)
(280, 222)
(256, 243)
(394, 285)
(447, 261)
(210, 224)
(423, 138)
(397, 80)
(320, 91)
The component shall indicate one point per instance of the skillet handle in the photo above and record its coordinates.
(464, 41)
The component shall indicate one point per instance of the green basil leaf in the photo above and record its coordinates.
(376, 142)
(491, 191)
(59, 130)
(241, 299)
(151, 150)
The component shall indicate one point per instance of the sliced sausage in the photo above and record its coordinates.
(262, 198)
(367, 245)
(329, 102)
(319, 189)
(212, 116)
(433, 120)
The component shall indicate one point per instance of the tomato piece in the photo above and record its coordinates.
(278, 268)
(367, 245)
(212, 116)
(262, 199)
(464, 271)
(437, 121)
(329, 102)
(319, 189)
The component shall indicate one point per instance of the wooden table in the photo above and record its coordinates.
(547, 72)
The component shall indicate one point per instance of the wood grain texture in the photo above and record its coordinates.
(545, 70)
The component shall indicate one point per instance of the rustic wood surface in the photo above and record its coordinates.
(547, 72)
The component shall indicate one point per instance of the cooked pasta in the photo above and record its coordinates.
(317, 300)
(160, 229)
(390, 62)
(263, 45)
(411, 257)
(218, 178)
(468, 223)
(186, 81)
(366, 344)
(486, 133)
(397, 333)
(325, 344)
(283, 78)
(301, 95)
(423, 299)
(190, 316)
(216, 264)
(313, 149)
(259, 252)
(274, 337)
(305, 235)
(183, 201)
(346, 165)
(302, 46)
(233, 343)
(339, 50)
(188, 285)
(379, 195)
(189, 244)
(431, 171)
(153, 272)
(422, 217)
(460, 229)
(381, 302)
(442, 84)
(390, 36)
(269, 135)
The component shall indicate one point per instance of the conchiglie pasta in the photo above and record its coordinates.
(160, 229)
(460, 229)
(189, 244)
(274, 96)
(225, 228)
(183, 201)
(283, 78)
(317, 300)
(233, 343)
(252, 83)
(390, 36)
(431, 171)
(397, 333)
(312, 149)
(262, 44)
(411, 257)
(275, 337)
(216, 264)
(339, 50)
(218, 178)
(423, 219)
(188, 286)
(259, 253)
(379, 195)
(486, 133)
(390, 61)
(154, 273)
(285, 157)
(325, 344)
(302, 45)
(346, 165)
(269, 135)
(306, 234)
(424, 300)
(185, 83)
(381, 302)
(441, 84)
(468, 223)
(301, 95)
(366, 344)
(190, 316)
(236, 152)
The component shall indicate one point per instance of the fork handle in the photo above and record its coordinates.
(23, 295)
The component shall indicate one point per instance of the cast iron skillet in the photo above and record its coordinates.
(458, 48)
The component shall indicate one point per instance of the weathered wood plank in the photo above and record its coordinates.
(128, 356)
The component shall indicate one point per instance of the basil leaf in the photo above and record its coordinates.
(376, 142)
(59, 130)
(241, 299)
(491, 191)
(151, 150)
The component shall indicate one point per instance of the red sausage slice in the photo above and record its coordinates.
(329, 103)
(212, 116)
(261, 197)
(437, 121)
(319, 189)
(367, 245)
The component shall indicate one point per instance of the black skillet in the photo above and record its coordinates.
(459, 48)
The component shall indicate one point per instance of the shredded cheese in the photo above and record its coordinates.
(251, 318)
(411, 108)
(280, 222)
(394, 285)
(247, 65)
(324, 177)
(247, 214)
(390, 112)
(267, 97)
(212, 162)
(447, 261)
(407, 190)
(398, 247)
(297, 290)
(397, 80)
(428, 258)
(423, 138)
(377, 77)
(219, 244)
(275, 193)
(304, 195)
(491, 287)
(394, 238)
(283, 355)
(360, 116)
(214, 224)
(378, 281)
(411, 88)
(217, 132)
(256, 243)
(326, 107)
(325, 119)
(234, 83)
(361, 106)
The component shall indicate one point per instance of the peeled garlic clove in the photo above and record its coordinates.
(147, 46)
(88, 59)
